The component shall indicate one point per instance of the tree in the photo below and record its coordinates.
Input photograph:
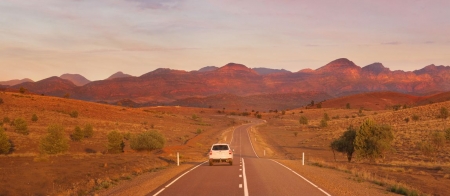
(148, 140)
(372, 140)
(344, 144)
(21, 126)
(34, 118)
(54, 142)
(303, 120)
(115, 142)
(5, 144)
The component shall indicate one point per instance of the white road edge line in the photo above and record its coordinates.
(302, 177)
(251, 144)
(245, 178)
(177, 179)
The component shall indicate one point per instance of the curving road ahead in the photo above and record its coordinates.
(249, 175)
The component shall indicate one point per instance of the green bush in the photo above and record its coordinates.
(344, 144)
(372, 140)
(77, 134)
(148, 140)
(54, 142)
(34, 118)
(199, 131)
(303, 120)
(21, 126)
(73, 114)
(5, 144)
(115, 142)
(88, 131)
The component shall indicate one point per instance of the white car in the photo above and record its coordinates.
(220, 153)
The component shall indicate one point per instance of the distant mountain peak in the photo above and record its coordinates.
(432, 69)
(77, 79)
(376, 68)
(208, 68)
(15, 82)
(231, 67)
(342, 63)
(118, 74)
(266, 71)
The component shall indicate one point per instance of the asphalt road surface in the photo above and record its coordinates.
(249, 175)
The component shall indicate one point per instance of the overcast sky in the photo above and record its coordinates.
(96, 38)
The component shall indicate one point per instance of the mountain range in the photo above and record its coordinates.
(165, 86)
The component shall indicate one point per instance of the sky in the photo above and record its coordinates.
(44, 38)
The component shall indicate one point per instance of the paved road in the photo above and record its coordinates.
(249, 175)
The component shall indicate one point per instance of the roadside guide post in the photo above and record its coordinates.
(303, 159)
(178, 159)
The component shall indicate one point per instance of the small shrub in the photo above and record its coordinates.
(259, 116)
(5, 144)
(295, 133)
(21, 126)
(447, 134)
(443, 113)
(88, 131)
(54, 142)
(1, 101)
(115, 142)
(22, 90)
(438, 139)
(406, 120)
(303, 120)
(77, 134)
(347, 106)
(415, 117)
(323, 123)
(73, 114)
(34, 118)
(199, 131)
(426, 148)
(6, 120)
(326, 117)
(148, 140)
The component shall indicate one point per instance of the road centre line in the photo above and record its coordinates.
(245, 178)
(302, 177)
(178, 178)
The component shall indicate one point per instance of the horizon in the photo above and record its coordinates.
(97, 39)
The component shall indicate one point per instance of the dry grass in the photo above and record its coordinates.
(406, 164)
(87, 161)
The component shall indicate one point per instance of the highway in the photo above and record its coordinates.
(249, 175)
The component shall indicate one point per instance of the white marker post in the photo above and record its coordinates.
(178, 159)
(303, 159)
(264, 152)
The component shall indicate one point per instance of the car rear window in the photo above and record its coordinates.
(220, 147)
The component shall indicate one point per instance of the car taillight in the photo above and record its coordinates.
(230, 152)
(210, 152)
